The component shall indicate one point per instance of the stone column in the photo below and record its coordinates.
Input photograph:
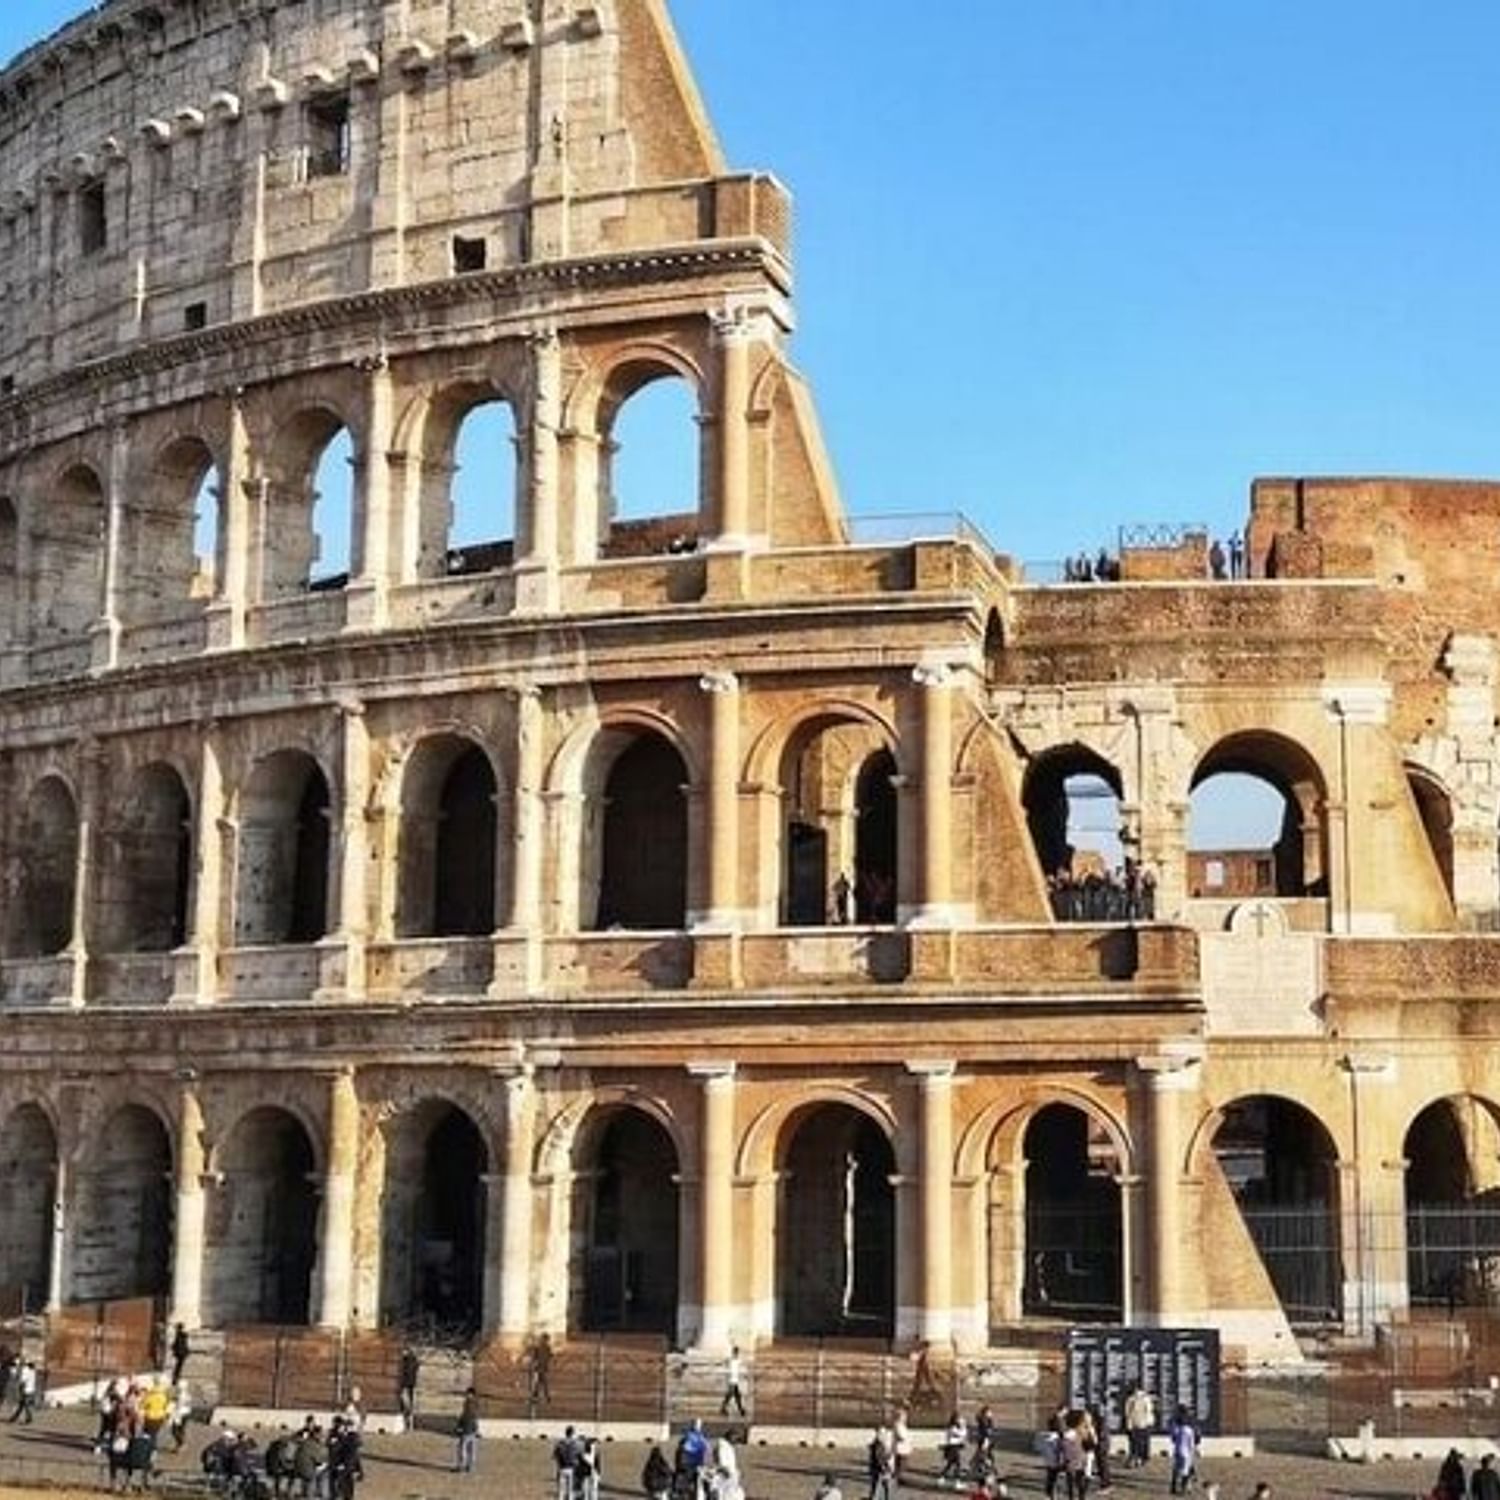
(720, 907)
(226, 612)
(537, 540)
(507, 1292)
(197, 973)
(935, 1081)
(189, 1221)
(716, 1236)
(106, 643)
(934, 904)
(370, 546)
(1168, 1082)
(354, 845)
(336, 1249)
(57, 1258)
(733, 335)
(525, 854)
(79, 948)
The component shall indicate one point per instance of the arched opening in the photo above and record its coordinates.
(839, 825)
(649, 463)
(262, 1233)
(282, 874)
(994, 649)
(477, 454)
(67, 557)
(433, 1218)
(28, 1189)
(1282, 1168)
(41, 920)
(836, 1226)
(636, 836)
(1256, 816)
(122, 1225)
(333, 513)
(448, 817)
(311, 540)
(625, 1216)
(172, 555)
(1072, 798)
(10, 574)
(1435, 811)
(1452, 1154)
(147, 866)
(1073, 1224)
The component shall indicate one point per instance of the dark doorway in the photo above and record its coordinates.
(807, 880)
(282, 878)
(464, 896)
(875, 840)
(628, 1205)
(1452, 1156)
(28, 1187)
(837, 1227)
(1073, 1226)
(446, 1227)
(643, 853)
(122, 1233)
(149, 859)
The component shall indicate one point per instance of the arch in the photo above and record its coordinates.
(67, 555)
(634, 846)
(28, 1190)
(10, 573)
(651, 465)
(282, 870)
(994, 649)
(1299, 854)
(262, 1225)
(433, 1216)
(995, 1138)
(313, 540)
(768, 752)
(449, 819)
(761, 1141)
(1452, 1185)
(1435, 813)
(121, 1234)
(835, 1224)
(1060, 787)
(626, 1221)
(174, 545)
(41, 919)
(147, 865)
(1281, 1165)
(839, 820)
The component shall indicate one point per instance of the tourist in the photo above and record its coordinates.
(468, 1432)
(345, 1462)
(406, 1388)
(691, 1457)
(589, 1471)
(539, 1372)
(1484, 1483)
(1451, 1478)
(567, 1454)
(734, 1379)
(955, 1435)
(881, 1464)
(1216, 560)
(180, 1351)
(1049, 1448)
(310, 1460)
(181, 1415)
(842, 894)
(1140, 1423)
(1236, 555)
(1184, 1436)
(1263, 1492)
(1075, 1455)
(726, 1469)
(156, 1407)
(1098, 1417)
(901, 1444)
(656, 1477)
(354, 1408)
(828, 1490)
(26, 1387)
(281, 1463)
(983, 1433)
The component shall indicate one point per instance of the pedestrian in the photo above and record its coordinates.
(1075, 1457)
(734, 1379)
(727, 1484)
(1450, 1480)
(1099, 1418)
(1140, 1423)
(828, 1490)
(180, 1351)
(310, 1460)
(1236, 555)
(881, 1464)
(345, 1460)
(691, 1457)
(1263, 1490)
(589, 1470)
(1484, 1483)
(406, 1388)
(156, 1407)
(468, 1432)
(1184, 1436)
(1049, 1448)
(842, 899)
(901, 1444)
(26, 1384)
(955, 1435)
(354, 1408)
(182, 1414)
(983, 1433)
(656, 1477)
(567, 1454)
(281, 1463)
(924, 1387)
(1216, 560)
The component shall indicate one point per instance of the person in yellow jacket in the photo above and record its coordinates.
(156, 1407)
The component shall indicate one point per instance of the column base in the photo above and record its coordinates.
(537, 588)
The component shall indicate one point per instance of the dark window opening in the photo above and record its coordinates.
(7, 385)
(195, 316)
(93, 219)
(328, 136)
(469, 255)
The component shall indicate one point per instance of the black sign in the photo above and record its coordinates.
(1179, 1366)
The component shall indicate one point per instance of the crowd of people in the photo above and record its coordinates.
(135, 1420)
(1225, 560)
(1124, 894)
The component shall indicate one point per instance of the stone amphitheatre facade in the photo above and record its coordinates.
(449, 939)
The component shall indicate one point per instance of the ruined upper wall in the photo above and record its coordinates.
(170, 164)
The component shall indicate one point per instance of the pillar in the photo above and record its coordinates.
(106, 643)
(91, 765)
(58, 1250)
(720, 907)
(336, 1249)
(188, 1222)
(934, 904)
(523, 854)
(354, 845)
(935, 1083)
(716, 1237)
(198, 976)
(507, 1292)
(537, 538)
(1169, 1082)
(226, 612)
(733, 335)
(370, 560)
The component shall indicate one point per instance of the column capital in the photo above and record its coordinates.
(932, 1070)
(349, 708)
(1377, 1066)
(933, 674)
(1171, 1069)
(713, 1072)
(717, 683)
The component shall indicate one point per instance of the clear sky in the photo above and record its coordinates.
(1066, 264)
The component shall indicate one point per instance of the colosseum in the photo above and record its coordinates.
(668, 927)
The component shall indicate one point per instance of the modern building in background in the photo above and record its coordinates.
(663, 925)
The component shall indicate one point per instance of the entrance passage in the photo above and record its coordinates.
(626, 1206)
(837, 1226)
(122, 1232)
(1283, 1170)
(1453, 1205)
(1073, 1226)
(432, 1233)
(28, 1187)
(643, 841)
(263, 1224)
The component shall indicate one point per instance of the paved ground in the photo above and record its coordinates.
(56, 1452)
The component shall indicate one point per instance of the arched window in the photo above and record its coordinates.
(311, 539)
(171, 557)
(41, 920)
(122, 1235)
(147, 866)
(1452, 1153)
(10, 579)
(1072, 797)
(333, 513)
(28, 1189)
(448, 824)
(67, 556)
(282, 875)
(650, 461)
(482, 497)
